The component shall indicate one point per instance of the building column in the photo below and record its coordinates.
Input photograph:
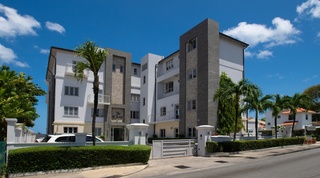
(137, 133)
(204, 134)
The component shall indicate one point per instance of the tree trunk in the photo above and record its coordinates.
(95, 106)
(294, 120)
(236, 122)
(275, 127)
(256, 124)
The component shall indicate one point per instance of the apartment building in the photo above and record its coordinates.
(70, 102)
(181, 86)
(172, 94)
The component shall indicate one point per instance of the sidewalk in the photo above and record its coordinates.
(158, 166)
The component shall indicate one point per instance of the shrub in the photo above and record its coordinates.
(243, 145)
(48, 158)
(212, 147)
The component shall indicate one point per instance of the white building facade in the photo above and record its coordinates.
(172, 94)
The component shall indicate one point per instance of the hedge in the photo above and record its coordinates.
(243, 145)
(47, 158)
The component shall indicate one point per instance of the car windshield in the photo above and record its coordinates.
(46, 138)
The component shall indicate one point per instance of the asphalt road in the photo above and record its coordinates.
(305, 164)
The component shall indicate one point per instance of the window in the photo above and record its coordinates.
(134, 115)
(144, 79)
(307, 117)
(163, 111)
(144, 66)
(169, 64)
(72, 91)
(135, 71)
(162, 133)
(70, 129)
(74, 64)
(113, 68)
(279, 116)
(191, 105)
(192, 73)
(135, 98)
(176, 132)
(100, 112)
(98, 131)
(191, 132)
(121, 69)
(70, 111)
(168, 87)
(290, 117)
(177, 111)
(144, 101)
(192, 44)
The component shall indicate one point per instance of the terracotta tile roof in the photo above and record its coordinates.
(299, 110)
(288, 123)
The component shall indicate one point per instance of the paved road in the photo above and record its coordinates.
(304, 164)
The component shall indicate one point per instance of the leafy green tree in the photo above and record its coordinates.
(94, 56)
(226, 109)
(297, 101)
(276, 106)
(234, 92)
(313, 93)
(17, 98)
(258, 103)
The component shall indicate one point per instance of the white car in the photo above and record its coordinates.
(67, 138)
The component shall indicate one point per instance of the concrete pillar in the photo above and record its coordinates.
(11, 125)
(81, 138)
(204, 134)
(137, 133)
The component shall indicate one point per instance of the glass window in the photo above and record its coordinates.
(70, 111)
(162, 133)
(168, 87)
(71, 91)
(163, 111)
(121, 69)
(169, 64)
(135, 71)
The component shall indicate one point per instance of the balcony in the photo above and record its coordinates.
(102, 99)
(169, 117)
(168, 93)
(70, 68)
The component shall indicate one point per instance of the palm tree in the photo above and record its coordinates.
(297, 101)
(94, 56)
(279, 103)
(257, 103)
(235, 91)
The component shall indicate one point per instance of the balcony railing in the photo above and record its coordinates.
(169, 116)
(163, 68)
(164, 93)
(70, 70)
(102, 99)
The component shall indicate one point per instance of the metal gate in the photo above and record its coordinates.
(2, 154)
(172, 148)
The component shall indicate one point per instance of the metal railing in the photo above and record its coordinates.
(102, 99)
(70, 70)
(169, 116)
(164, 94)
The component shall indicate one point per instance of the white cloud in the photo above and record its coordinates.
(309, 8)
(277, 75)
(44, 51)
(55, 27)
(248, 54)
(310, 78)
(282, 32)
(318, 34)
(8, 56)
(13, 24)
(265, 54)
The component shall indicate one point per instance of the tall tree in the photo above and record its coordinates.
(94, 56)
(297, 101)
(313, 93)
(17, 98)
(258, 103)
(235, 91)
(276, 106)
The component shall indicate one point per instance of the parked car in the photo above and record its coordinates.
(67, 138)
(39, 139)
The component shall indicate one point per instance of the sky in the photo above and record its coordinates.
(283, 56)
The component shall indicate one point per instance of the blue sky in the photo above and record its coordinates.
(284, 36)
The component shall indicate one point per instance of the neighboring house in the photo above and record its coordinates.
(251, 126)
(172, 94)
(285, 119)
